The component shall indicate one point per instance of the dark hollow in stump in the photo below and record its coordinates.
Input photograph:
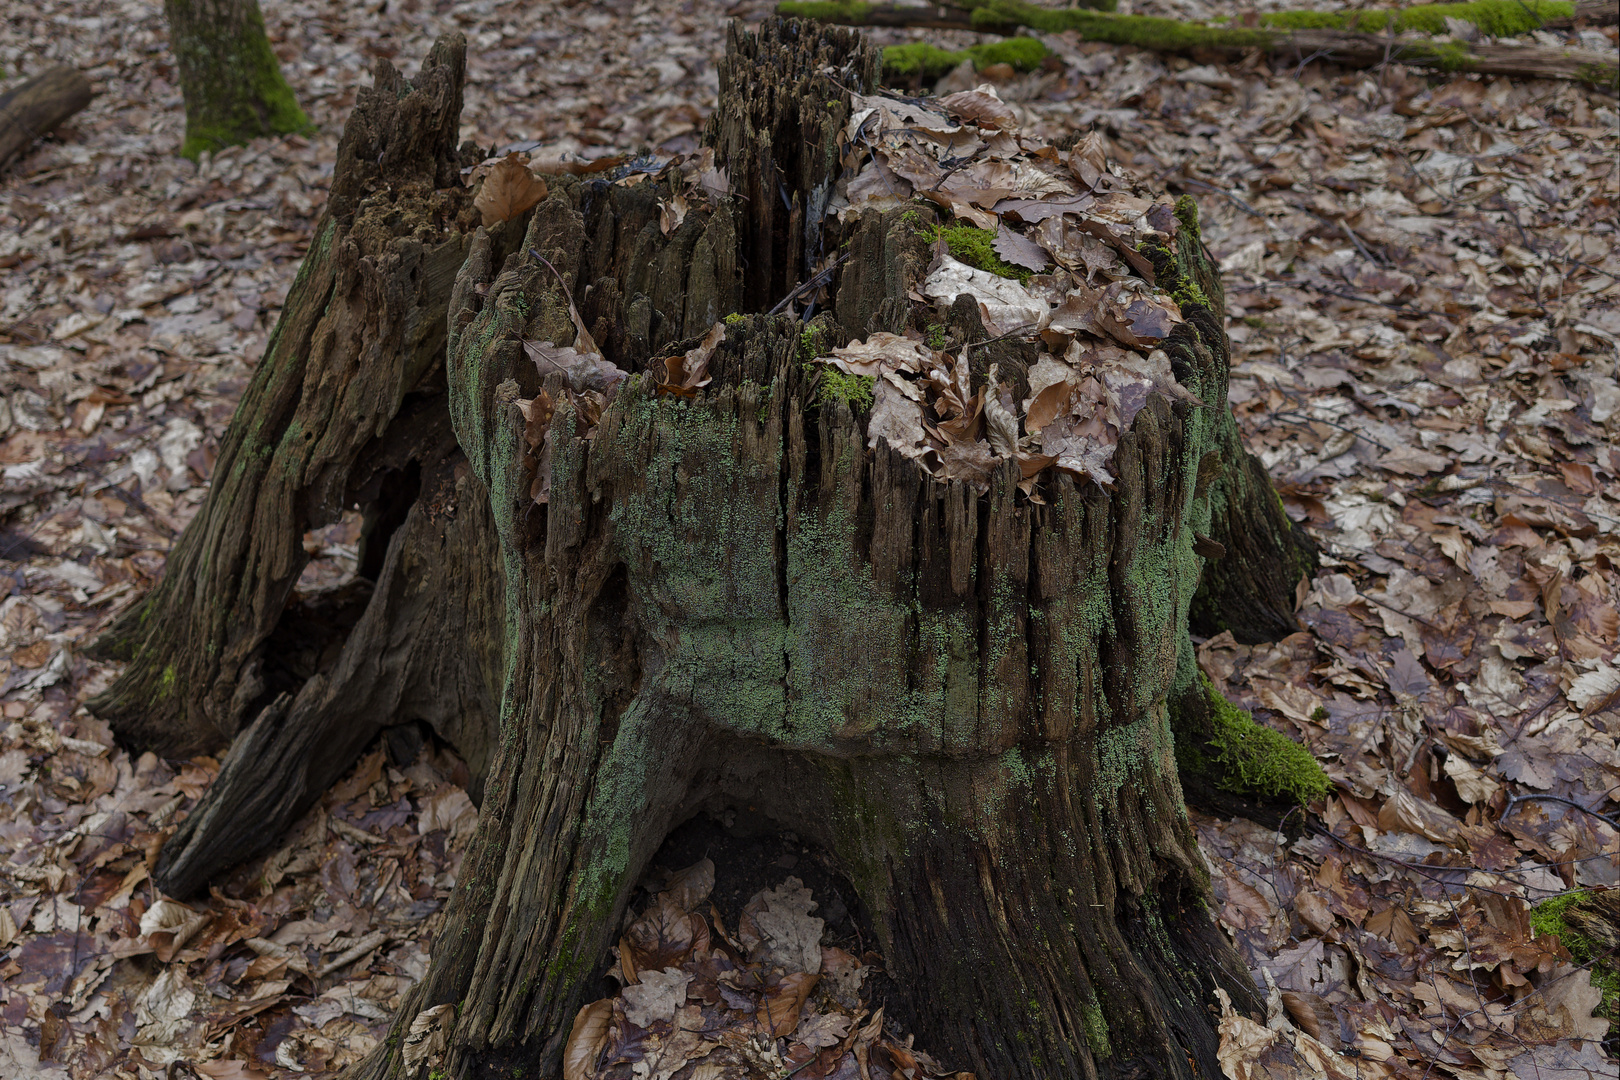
(728, 600)
(39, 106)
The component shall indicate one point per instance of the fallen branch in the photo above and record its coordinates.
(1354, 38)
(37, 106)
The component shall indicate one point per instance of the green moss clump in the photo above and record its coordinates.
(936, 336)
(853, 390)
(1496, 18)
(1187, 213)
(1247, 757)
(924, 61)
(849, 12)
(1551, 917)
(973, 246)
(733, 319)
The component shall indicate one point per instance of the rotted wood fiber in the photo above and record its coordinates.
(362, 327)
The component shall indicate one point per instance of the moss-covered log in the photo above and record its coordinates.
(229, 75)
(1351, 38)
(38, 106)
(728, 600)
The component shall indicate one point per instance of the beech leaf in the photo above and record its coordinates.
(586, 1040)
(509, 189)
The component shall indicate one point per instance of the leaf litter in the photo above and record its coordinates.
(1421, 293)
(770, 1000)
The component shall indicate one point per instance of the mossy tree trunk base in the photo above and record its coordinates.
(730, 600)
(230, 76)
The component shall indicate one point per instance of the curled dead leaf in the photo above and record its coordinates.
(586, 1040)
(428, 1037)
(508, 190)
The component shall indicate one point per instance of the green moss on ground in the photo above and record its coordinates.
(1552, 917)
(973, 246)
(1497, 18)
(920, 60)
(1247, 757)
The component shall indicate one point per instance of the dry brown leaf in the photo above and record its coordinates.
(983, 106)
(656, 997)
(428, 1036)
(509, 189)
(1018, 250)
(586, 1040)
(783, 1001)
(688, 373)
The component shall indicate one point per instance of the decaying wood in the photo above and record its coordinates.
(362, 328)
(39, 106)
(726, 600)
(1341, 46)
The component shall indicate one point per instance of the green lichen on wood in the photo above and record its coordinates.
(1495, 18)
(1246, 757)
(1552, 916)
(921, 60)
(231, 79)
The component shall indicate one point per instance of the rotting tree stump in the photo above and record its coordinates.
(727, 600)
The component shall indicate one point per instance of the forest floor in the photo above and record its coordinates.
(1422, 287)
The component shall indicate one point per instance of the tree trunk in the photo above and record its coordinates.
(229, 75)
(727, 601)
(37, 106)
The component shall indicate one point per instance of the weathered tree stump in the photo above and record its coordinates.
(727, 600)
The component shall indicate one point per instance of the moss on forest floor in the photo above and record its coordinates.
(1246, 757)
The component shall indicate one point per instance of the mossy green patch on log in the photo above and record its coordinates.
(1249, 758)
(1496, 18)
(922, 60)
(975, 247)
(1552, 916)
(231, 79)
(1357, 39)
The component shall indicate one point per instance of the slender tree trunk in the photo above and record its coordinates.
(727, 601)
(229, 75)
